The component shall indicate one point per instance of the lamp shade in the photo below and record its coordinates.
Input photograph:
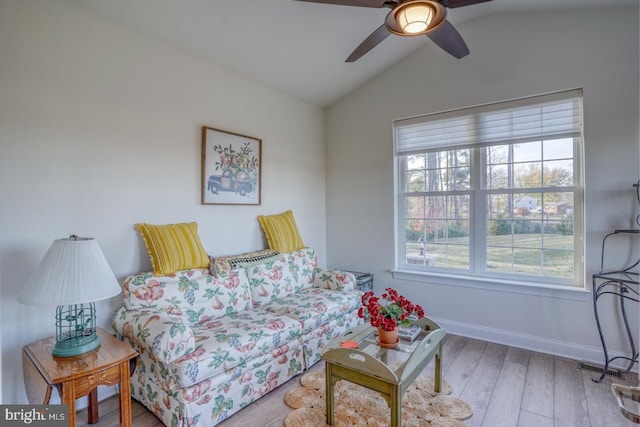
(73, 271)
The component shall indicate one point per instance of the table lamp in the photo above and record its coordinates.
(72, 275)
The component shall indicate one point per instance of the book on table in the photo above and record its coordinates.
(409, 333)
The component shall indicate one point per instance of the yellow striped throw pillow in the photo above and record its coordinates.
(173, 247)
(281, 231)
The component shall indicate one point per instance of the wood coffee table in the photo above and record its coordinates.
(387, 371)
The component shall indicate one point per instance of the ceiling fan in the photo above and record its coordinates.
(412, 18)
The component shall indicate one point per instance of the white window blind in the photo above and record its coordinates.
(549, 116)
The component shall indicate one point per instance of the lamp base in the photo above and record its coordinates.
(75, 330)
(76, 346)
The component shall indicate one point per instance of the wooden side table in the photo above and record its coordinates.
(79, 376)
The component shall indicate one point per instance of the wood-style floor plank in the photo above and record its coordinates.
(538, 390)
(462, 367)
(505, 386)
(601, 412)
(506, 400)
(518, 355)
(569, 397)
(452, 347)
(479, 389)
(529, 419)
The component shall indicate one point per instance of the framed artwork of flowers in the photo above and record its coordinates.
(231, 168)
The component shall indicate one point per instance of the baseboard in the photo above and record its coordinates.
(534, 343)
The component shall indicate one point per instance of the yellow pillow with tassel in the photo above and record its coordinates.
(281, 231)
(173, 247)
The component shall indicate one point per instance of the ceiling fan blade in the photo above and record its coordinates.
(452, 4)
(359, 3)
(369, 43)
(449, 39)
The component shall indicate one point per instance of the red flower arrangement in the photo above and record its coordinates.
(394, 310)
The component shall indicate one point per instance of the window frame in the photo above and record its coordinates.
(477, 274)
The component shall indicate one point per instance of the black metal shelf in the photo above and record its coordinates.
(622, 284)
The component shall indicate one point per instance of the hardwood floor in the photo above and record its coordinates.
(505, 386)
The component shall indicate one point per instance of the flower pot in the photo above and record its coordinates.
(388, 339)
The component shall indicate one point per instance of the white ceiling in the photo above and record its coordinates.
(295, 46)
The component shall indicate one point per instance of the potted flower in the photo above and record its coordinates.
(388, 313)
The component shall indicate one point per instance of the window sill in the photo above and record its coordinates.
(493, 284)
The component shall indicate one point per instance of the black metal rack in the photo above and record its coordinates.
(364, 281)
(624, 285)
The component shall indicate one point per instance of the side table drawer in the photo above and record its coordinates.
(109, 376)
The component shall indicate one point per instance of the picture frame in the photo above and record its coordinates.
(231, 168)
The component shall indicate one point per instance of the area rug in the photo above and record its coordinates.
(358, 406)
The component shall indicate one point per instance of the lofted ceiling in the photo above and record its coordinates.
(294, 46)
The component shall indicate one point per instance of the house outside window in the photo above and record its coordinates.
(493, 191)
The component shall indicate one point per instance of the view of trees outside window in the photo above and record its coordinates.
(438, 203)
(493, 190)
(515, 200)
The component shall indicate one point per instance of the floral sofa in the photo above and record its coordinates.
(211, 342)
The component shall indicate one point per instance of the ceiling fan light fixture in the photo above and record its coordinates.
(414, 18)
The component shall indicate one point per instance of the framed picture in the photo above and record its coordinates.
(231, 168)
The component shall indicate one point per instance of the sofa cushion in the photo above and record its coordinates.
(195, 295)
(166, 336)
(281, 231)
(238, 339)
(173, 247)
(275, 279)
(314, 307)
(315, 341)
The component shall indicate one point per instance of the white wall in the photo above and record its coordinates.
(512, 55)
(100, 129)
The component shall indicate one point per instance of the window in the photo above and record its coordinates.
(493, 191)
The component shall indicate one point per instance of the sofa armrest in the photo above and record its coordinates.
(334, 279)
(167, 337)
